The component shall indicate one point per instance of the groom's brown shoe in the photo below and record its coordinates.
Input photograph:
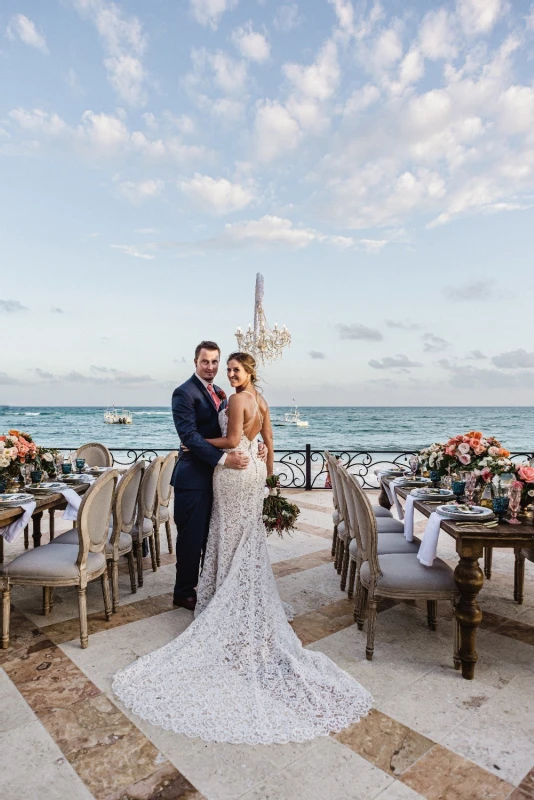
(185, 602)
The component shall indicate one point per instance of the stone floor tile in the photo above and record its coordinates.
(443, 775)
(525, 790)
(500, 736)
(329, 771)
(24, 638)
(385, 742)
(33, 767)
(165, 784)
(14, 710)
(399, 791)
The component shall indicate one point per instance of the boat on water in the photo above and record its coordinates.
(293, 418)
(117, 416)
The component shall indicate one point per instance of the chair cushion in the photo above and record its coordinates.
(389, 525)
(388, 544)
(342, 530)
(71, 537)
(405, 576)
(380, 511)
(49, 562)
(163, 513)
(125, 544)
(336, 516)
(147, 526)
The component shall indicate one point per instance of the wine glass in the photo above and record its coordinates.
(514, 496)
(500, 506)
(470, 484)
(414, 465)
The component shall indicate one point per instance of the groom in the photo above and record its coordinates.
(195, 409)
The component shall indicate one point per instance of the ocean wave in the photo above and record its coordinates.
(32, 413)
(152, 413)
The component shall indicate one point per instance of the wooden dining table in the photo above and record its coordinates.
(49, 502)
(468, 576)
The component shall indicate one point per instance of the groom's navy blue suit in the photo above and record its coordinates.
(196, 419)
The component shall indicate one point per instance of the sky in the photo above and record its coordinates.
(373, 160)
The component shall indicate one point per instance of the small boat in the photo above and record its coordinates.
(293, 418)
(116, 416)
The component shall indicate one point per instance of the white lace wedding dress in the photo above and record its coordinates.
(239, 673)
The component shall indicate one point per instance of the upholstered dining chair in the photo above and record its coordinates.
(95, 454)
(521, 554)
(53, 565)
(119, 541)
(145, 525)
(163, 516)
(388, 542)
(397, 576)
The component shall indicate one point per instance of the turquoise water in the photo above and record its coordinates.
(350, 428)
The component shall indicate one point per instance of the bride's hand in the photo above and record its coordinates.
(263, 451)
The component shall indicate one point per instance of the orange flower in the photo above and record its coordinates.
(503, 452)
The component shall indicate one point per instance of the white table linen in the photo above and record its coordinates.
(429, 544)
(73, 504)
(392, 494)
(14, 529)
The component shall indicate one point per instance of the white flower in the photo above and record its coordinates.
(47, 457)
(4, 462)
(463, 448)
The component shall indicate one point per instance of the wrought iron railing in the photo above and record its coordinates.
(305, 469)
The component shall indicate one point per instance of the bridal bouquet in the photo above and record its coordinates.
(278, 513)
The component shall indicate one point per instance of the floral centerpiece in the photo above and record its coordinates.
(524, 478)
(468, 452)
(16, 449)
(278, 513)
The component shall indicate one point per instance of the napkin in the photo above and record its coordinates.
(82, 476)
(13, 530)
(429, 545)
(408, 517)
(392, 494)
(73, 504)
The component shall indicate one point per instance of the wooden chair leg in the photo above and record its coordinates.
(138, 547)
(334, 541)
(456, 638)
(82, 611)
(488, 561)
(157, 547)
(115, 586)
(345, 567)
(131, 567)
(153, 553)
(106, 593)
(6, 608)
(168, 531)
(432, 614)
(361, 611)
(26, 537)
(51, 524)
(371, 627)
(352, 578)
(341, 554)
(47, 590)
(519, 576)
(1, 549)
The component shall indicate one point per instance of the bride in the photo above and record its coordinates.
(239, 673)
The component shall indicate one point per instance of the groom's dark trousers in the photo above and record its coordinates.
(196, 419)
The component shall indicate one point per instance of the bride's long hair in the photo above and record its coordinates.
(248, 363)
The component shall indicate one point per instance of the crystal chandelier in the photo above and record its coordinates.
(264, 344)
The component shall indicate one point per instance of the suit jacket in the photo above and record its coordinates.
(196, 419)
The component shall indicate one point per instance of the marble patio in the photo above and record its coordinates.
(430, 735)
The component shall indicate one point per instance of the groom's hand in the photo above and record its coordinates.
(262, 451)
(236, 460)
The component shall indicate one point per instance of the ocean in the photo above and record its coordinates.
(350, 428)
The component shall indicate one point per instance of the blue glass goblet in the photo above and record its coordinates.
(80, 464)
(458, 487)
(435, 477)
(500, 506)
(66, 469)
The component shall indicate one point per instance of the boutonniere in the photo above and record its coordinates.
(220, 394)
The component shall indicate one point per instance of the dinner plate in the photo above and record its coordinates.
(423, 493)
(49, 487)
(464, 512)
(96, 470)
(414, 482)
(392, 472)
(15, 498)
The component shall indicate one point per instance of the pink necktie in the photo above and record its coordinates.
(216, 401)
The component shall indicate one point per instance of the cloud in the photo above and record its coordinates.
(24, 29)
(316, 354)
(399, 361)
(357, 331)
(403, 325)
(276, 133)
(120, 376)
(11, 307)
(476, 378)
(476, 355)
(217, 196)
(125, 43)
(7, 380)
(287, 18)
(514, 359)
(44, 375)
(434, 344)
(470, 292)
(56, 310)
(437, 37)
(132, 250)
(209, 12)
(251, 44)
(142, 190)
(479, 16)
(319, 80)
(228, 74)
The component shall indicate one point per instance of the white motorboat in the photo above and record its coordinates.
(117, 416)
(293, 418)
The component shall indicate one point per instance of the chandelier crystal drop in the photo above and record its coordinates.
(264, 344)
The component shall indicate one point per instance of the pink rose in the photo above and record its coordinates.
(479, 450)
(516, 485)
(487, 475)
(493, 451)
(463, 448)
(450, 451)
(464, 459)
(526, 473)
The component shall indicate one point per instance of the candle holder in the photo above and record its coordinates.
(500, 507)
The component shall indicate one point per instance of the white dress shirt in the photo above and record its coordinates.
(205, 384)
